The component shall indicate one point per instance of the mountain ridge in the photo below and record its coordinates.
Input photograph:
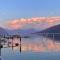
(53, 30)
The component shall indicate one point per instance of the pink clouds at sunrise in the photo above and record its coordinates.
(38, 22)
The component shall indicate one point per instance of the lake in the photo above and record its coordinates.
(39, 48)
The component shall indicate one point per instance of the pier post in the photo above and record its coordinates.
(0, 46)
(0, 49)
(12, 43)
(8, 41)
(20, 44)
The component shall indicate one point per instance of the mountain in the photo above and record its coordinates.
(3, 32)
(26, 33)
(22, 32)
(55, 29)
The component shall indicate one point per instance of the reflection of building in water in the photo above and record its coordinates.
(5, 43)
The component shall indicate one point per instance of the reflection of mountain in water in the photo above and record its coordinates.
(52, 30)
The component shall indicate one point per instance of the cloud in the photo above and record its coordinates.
(38, 22)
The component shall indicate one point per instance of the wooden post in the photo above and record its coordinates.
(8, 42)
(20, 44)
(12, 43)
(0, 51)
(0, 46)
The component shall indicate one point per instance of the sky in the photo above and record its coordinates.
(11, 10)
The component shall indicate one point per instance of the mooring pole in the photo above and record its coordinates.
(0, 49)
(12, 43)
(53, 36)
(8, 41)
(0, 53)
(20, 44)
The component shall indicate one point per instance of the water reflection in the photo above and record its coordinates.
(40, 44)
(35, 45)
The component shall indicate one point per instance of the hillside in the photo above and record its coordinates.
(50, 31)
(3, 32)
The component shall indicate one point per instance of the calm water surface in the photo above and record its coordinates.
(33, 49)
